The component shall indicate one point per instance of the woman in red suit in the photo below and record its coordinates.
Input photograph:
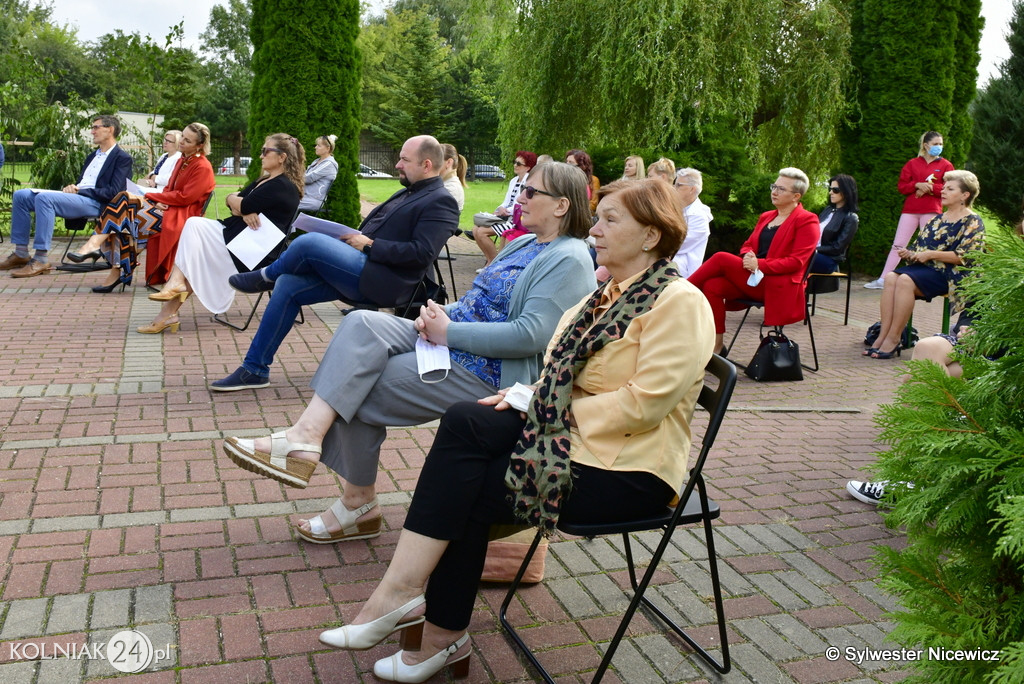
(771, 264)
(157, 217)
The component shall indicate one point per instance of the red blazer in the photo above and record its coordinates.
(786, 263)
(185, 195)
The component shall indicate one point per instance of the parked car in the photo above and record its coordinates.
(227, 166)
(488, 172)
(366, 172)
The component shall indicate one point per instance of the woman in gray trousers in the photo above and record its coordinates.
(368, 379)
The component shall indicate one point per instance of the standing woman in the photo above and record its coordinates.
(203, 262)
(839, 223)
(779, 248)
(129, 221)
(921, 183)
(634, 169)
(320, 174)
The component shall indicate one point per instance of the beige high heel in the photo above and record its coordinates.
(164, 296)
(157, 327)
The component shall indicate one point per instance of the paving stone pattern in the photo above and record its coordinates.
(119, 510)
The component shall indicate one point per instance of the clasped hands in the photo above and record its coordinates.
(923, 189)
(432, 323)
(750, 261)
(910, 256)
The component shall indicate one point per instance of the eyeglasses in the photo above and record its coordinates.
(530, 191)
(773, 187)
(518, 163)
(267, 150)
(96, 128)
(683, 185)
(834, 189)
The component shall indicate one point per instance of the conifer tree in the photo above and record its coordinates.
(999, 130)
(306, 73)
(960, 578)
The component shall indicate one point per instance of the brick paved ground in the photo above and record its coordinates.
(118, 508)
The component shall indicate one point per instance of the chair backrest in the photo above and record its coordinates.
(323, 202)
(715, 400)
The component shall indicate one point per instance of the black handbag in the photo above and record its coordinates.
(906, 340)
(777, 358)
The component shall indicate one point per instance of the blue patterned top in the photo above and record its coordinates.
(487, 302)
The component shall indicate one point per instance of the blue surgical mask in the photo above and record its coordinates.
(935, 150)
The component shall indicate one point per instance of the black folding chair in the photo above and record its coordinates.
(749, 304)
(694, 507)
(823, 283)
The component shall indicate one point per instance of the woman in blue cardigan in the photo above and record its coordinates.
(368, 379)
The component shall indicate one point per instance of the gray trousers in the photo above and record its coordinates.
(368, 376)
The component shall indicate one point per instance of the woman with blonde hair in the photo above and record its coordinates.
(320, 174)
(634, 168)
(203, 262)
(130, 223)
(453, 173)
(663, 169)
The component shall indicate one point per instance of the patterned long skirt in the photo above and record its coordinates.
(132, 219)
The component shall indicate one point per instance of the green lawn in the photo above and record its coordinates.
(480, 196)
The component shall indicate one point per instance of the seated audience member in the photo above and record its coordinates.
(203, 263)
(484, 226)
(932, 261)
(606, 438)
(130, 222)
(496, 335)
(779, 250)
(839, 223)
(586, 165)
(320, 174)
(453, 173)
(634, 168)
(2, 157)
(663, 169)
(379, 267)
(104, 175)
(688, 185)
(545, 159)
(161, 174)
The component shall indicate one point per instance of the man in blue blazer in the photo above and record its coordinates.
(377, 267)
(105, 172)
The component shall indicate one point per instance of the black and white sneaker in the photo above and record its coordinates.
(868, 492)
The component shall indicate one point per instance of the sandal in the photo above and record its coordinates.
(350, 529)
(879, 354)
(277, 465)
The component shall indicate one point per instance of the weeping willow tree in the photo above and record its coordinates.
(650, 73)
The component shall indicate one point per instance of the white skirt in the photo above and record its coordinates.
(204, 259)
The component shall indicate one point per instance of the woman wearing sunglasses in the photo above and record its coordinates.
(496, 335)
(203, 263)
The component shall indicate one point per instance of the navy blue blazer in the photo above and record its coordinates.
(116, 170)
(417, 221)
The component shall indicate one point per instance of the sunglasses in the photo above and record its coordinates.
(264, 151)
(530, 191)
(518, 163)
(834, 189)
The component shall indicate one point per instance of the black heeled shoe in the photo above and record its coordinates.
(79, 258)
(107, 289)
(879, 354)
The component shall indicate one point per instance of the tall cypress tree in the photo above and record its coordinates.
(306, 75)
(911, 68)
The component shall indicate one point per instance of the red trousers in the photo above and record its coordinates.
(722, 278)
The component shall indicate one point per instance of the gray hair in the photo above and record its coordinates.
(693, 175)
(801, 182)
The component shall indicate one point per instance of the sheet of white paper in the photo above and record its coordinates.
(252, 246)
(135, 189)
(312, 224)
(38, 191)
(431, 357)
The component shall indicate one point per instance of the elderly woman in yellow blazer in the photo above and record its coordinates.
(606, 437)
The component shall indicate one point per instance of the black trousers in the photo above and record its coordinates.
(461, 493)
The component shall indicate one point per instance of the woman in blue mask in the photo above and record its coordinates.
(921, 183)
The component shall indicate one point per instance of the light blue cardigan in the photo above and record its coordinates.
(555, 280)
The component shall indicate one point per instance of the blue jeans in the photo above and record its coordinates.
(47, 207)
(315, 268)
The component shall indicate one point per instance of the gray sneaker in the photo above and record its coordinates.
(875, 284)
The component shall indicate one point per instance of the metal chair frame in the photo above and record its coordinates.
(694, 507)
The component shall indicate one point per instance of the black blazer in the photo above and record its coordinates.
(838, 234)
(418, 221)
(116, 170)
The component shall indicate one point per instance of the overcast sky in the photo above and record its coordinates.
(94, 18)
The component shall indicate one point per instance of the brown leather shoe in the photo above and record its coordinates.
(13, 261)
(32, 268)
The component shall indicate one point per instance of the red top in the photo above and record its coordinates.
(920, 170)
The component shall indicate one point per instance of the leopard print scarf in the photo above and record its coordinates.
(538, 474)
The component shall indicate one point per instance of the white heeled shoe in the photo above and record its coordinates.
(350, 529)
(393, 669)
(362, 637)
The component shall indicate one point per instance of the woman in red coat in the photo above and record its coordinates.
(771, 264)
(157, 217)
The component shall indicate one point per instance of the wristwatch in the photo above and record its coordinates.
(366, 248)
